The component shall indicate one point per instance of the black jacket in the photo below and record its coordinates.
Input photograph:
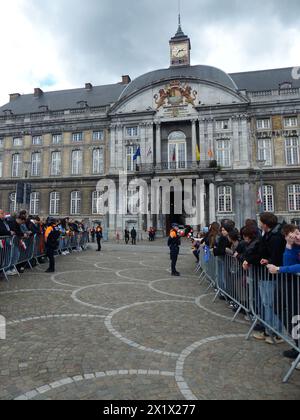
(174, 245)
(252, 253)
(3, 229)
(220, 248)
(133, 234)
(273, 246)
(53, 239)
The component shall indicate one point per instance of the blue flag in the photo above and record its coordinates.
(138, 154)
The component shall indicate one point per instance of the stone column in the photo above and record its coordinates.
(150, 143)
(143, 143)
(112, 148)
(245, 149)
(212, 203)
(236, 143)
(120, 148)
(203, 146)
(194, 142)
(158, 144)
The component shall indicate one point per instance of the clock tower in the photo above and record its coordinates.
(180, 48)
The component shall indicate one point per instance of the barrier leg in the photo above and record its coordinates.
(252, 329)
(291, 371)
(237, 314)
(217, 295)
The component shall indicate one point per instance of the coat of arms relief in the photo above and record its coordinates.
(176, 94)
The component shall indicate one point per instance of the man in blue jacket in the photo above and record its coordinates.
(291, 285)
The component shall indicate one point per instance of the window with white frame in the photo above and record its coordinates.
(225, 199)
(1, 142)
(268, 198)
(77, 137)
(98, 161)
(290, 122)
(1, 166)
(13, 207)
(96, 202)
(55, 163)
(222, 125)
(294, 197)
(54, 203)
(36, 164)
(263, 124)
(18, 142)
(75, 203)
(98, 135)
(265, 151)
(132, 131)
(16, 165)
(292, 151)
(224, 153)
(57, 138)
(76, 162)
(130, 153)
(37, 140)
(34, 203)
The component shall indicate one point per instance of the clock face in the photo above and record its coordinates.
(179, 51)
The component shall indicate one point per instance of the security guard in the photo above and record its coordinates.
(52, 235)
(174, 243)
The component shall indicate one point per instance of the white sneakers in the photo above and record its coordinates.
(12, 272)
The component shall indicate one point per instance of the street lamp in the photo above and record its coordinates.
(261, 164)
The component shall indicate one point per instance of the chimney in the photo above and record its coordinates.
(38, 92)
(126, 80)
(14, 96)
(88, 86)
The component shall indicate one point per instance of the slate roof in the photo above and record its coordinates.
(264, 79)
(100, 96)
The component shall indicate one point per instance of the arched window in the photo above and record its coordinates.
(269, 198)
(294, 197)
(35, 203)
(36, 164)
(76, 162)
(54, 203)
(75, 203)
(98, 161)
(177, 150)
(13, 207)
(16, 165)
(225, 199)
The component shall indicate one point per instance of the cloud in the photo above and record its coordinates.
(65, 43)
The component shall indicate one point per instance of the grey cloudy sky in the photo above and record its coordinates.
(57, 44)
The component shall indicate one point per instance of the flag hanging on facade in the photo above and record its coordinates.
(137, 154)
(259, 197)
(210, 154)
(174, 155)
(198, 154)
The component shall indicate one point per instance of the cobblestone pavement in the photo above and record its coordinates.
(116, 325)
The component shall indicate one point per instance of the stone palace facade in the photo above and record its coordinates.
(234, 132)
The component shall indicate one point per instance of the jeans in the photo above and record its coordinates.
(15, 256)
(267, 291)
(174, 258)
(221, 273)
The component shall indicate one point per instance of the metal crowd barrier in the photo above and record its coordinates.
(6, 245)
(15, 251)
(275, 303)
(272, 300)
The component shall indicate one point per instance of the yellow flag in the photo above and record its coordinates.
(198, 154)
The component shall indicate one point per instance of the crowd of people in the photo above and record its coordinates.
(270, 244)
(24, 226)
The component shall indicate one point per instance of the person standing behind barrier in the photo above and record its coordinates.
(174, 243)
(133, 236)
(289, 301)
(127, 236)
(99, 237)
(272, 249)
(52, 235)
(220, 251)
(213, 235)
(4, 226)
(93, 234)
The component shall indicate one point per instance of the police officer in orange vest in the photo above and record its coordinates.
(174, 243)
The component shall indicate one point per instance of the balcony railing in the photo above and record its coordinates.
(171, 166)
